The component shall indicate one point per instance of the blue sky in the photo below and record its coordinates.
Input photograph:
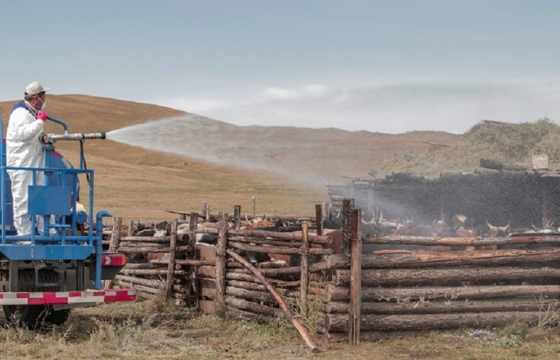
(387, 66)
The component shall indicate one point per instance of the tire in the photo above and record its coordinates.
(30, 316)
(35, 316)
(56, 317)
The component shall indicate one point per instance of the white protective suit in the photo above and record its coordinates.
(23, 149)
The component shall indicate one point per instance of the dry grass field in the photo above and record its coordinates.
(147, 330)
(141, 184)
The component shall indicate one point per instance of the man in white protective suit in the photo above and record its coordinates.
(24, 150)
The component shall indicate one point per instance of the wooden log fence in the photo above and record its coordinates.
(363, 294)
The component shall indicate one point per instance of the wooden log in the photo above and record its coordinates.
(193, 225)
(144, 289)
(132, 244)
(253, 295)
(277, 250)
(252, 306)
(448, 306)
(246, 285)
(379, 277)
(339, 322)
(237, 216)
(252, 286)
(180, 302)
(237, 267)
(182, 214)
(175, 295)
(354, 317)
(234, 267)
(221, 247)
(141, 266)
(303, 332)
(205, 252)
(336, 293)
(288, 236)
(172, 255)
(151, 272)
(271, 265)
(183, 289)
(145, 295)
(304, 275)
(152, 249)
(515, 239)
(268, 242)
(144, 249)
(114, 242)
(206, 271)
(413, 259)
(253, 279)
(116, 234)
(147, 239)
(146, 282)
(207, 288)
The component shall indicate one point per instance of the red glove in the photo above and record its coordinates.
(42, 115)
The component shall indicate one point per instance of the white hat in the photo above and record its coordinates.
(34, 88)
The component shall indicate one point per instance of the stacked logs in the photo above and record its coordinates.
(155, 267)
(283, 258)
(420, 290)
(188, 271)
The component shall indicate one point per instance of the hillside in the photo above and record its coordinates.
(513, 144)
(139, 183)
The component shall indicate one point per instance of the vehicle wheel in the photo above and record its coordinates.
(57, 317)
(35, 316)
(30, 316)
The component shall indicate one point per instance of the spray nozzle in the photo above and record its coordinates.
(50, 138)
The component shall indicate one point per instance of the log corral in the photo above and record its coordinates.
(402, 254)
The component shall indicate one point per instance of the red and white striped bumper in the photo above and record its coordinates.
(67, 297)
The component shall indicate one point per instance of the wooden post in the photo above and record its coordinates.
(116, 235)
(114, 242)
(319, 219)
(130, 226)
(221, 247)
(254, 201)
(171, 265)
(237, 216)
(354, 320)
(192, 281)
(206, 211)
(304, 268)
(347, 206)
(193, 224)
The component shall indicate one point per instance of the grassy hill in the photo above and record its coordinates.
(138, 183)
(513, 144)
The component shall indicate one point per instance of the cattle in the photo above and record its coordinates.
(498, 230)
